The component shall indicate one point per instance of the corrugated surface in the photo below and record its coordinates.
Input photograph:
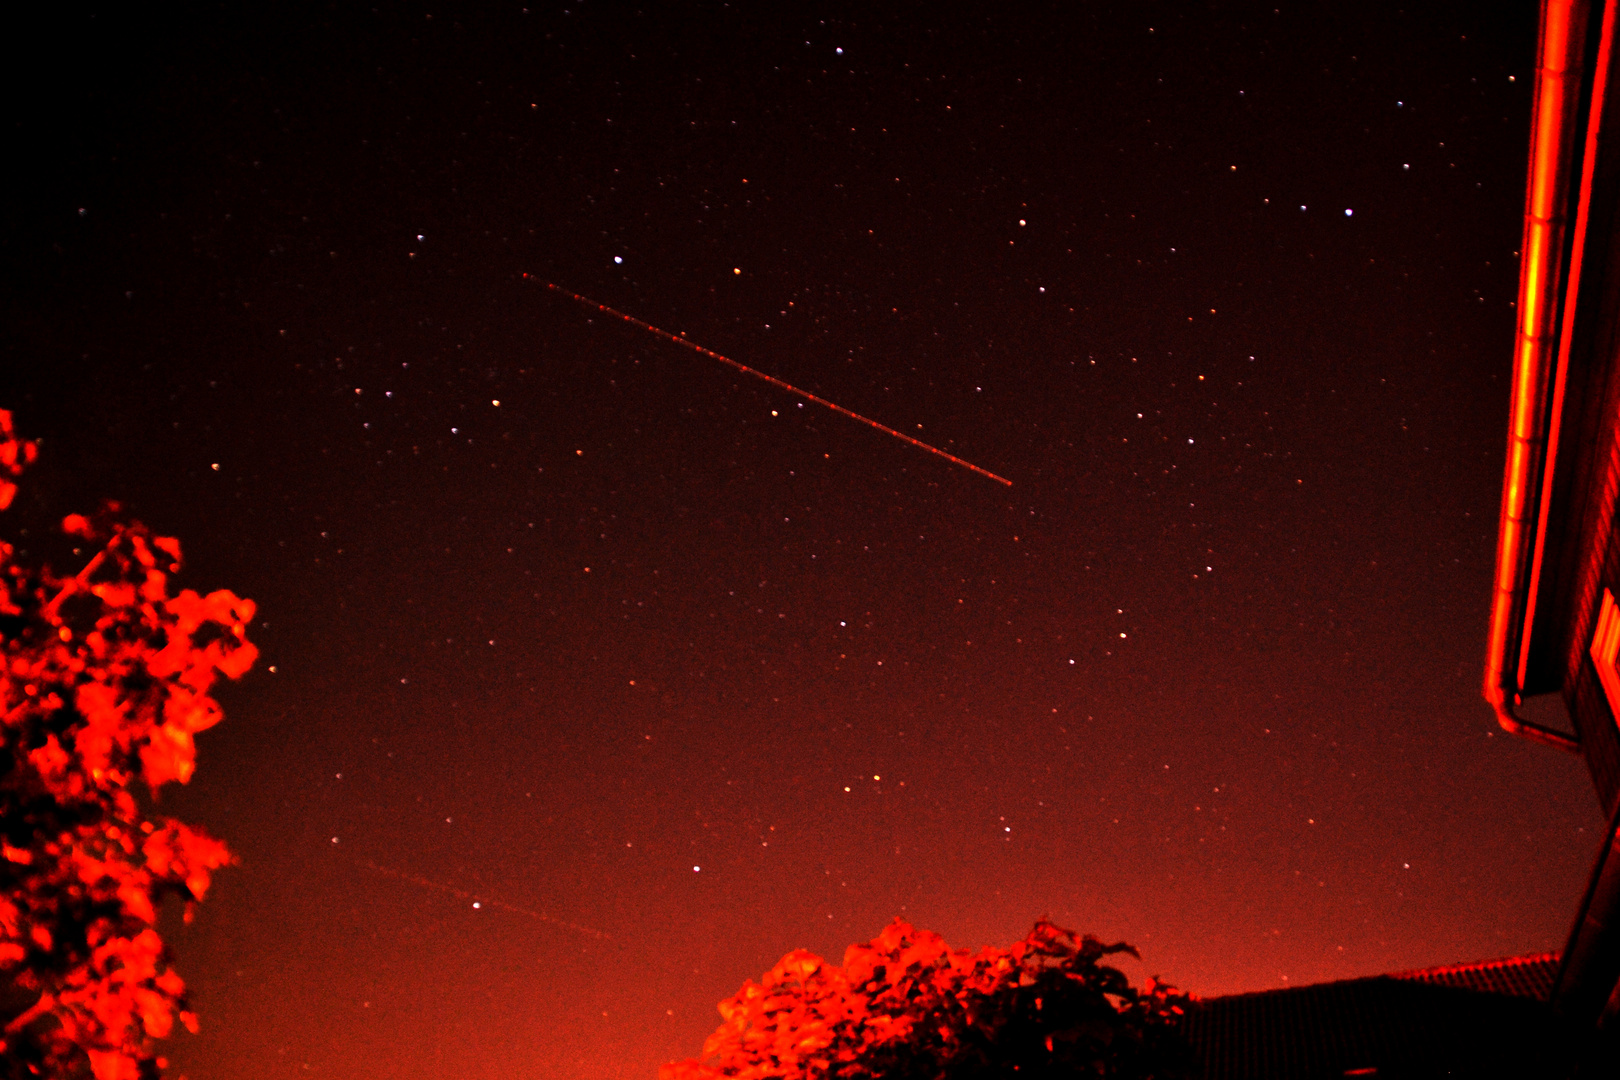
(1466, 1020)
(1515, 976)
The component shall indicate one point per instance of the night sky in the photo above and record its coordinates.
(597, 675)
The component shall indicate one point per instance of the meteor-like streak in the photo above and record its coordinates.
(481, 901)
(746, 370)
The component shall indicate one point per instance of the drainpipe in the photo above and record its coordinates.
(1552, 143)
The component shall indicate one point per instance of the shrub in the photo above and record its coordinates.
(905, 1006)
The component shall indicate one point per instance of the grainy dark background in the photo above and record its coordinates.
(1204, 678)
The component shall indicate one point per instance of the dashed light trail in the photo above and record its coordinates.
(746, 370)
(479, 901)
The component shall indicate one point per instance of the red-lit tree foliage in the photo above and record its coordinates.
(905, 1006)
(105, 680)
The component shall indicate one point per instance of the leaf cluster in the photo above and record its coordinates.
(905, 1006)
(105, 678)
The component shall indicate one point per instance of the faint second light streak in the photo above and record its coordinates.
(745, 369)
(481, 902)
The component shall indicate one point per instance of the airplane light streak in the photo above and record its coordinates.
(746, 370)
(481, 902)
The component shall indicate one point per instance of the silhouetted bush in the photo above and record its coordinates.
(905, 1006)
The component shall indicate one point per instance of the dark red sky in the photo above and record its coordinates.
(1225, 293)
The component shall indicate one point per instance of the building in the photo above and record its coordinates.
(1554, 629)
(1555, 625)
(1466, 1020)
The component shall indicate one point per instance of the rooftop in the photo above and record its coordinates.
(1483, 1019)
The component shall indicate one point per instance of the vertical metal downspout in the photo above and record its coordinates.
(1552, 144)
(1572, 310)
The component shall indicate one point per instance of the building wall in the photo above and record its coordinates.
(1582, 542)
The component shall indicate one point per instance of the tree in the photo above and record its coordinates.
(905, 1006)
(105, 680)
